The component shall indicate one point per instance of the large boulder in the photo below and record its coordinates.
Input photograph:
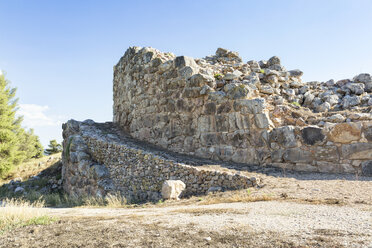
(350, 101)
(312, 135)
(345, 133)
(365, 79)
(172, 189)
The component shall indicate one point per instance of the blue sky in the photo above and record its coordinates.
(60, 54)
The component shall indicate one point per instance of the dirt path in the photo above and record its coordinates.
(258, 224)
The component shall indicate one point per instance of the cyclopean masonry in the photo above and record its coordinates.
(219, 108)
(254, 112)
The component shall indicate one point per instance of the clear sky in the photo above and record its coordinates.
(60, 54)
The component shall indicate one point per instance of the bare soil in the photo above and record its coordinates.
(286, 210)
(256, 224)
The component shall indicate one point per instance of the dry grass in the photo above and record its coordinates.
(115, 201)
(234, 196)
(15, 213)
(31, 168)
(109, 201)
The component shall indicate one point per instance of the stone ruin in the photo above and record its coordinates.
(217, 108)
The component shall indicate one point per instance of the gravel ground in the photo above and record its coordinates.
(296, 223)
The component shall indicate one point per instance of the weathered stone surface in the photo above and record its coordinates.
(366, 79)
(355, 88)
(182, 61)
(172, 189)
(263, 120)
(252, 106)
(312, 135)
(236, 91)
(226, 54)
(273, 61)
(210, 108)
(368, 133)
(234, 75)
(19, 190)
(336, 118)
(367, 168)
(345, 133)
(297, 155)
(326, 153)
(284, 136)
(324, 107)
(350, 101)
(199, 80)
(329, 167)
(357, 151)
(99, 171)
(295, 73)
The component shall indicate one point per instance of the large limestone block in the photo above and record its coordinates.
(357, 151)
(172, 189)
(345, 132)
(263, 120)
(182, 61)
(312, 135)
(284, 136)
(296, 155)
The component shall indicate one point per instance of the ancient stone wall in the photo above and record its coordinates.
(254, 113)
(98, 159)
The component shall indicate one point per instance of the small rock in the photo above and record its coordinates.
(337, 118)
(214, 189)
(366, 79)
(278, 100)
(355, 88)
(182, 61)
(350, 101)
(35, 178)
(330, 83)
(267, 89)
(273, 61)
(89, 122)
(295, 73)
(17, 179)
(234, 75)
(262, 63)
(324, 107)
(19, 190)
(272, 79)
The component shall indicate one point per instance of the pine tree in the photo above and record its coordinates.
(54, 147)
(16, 145)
